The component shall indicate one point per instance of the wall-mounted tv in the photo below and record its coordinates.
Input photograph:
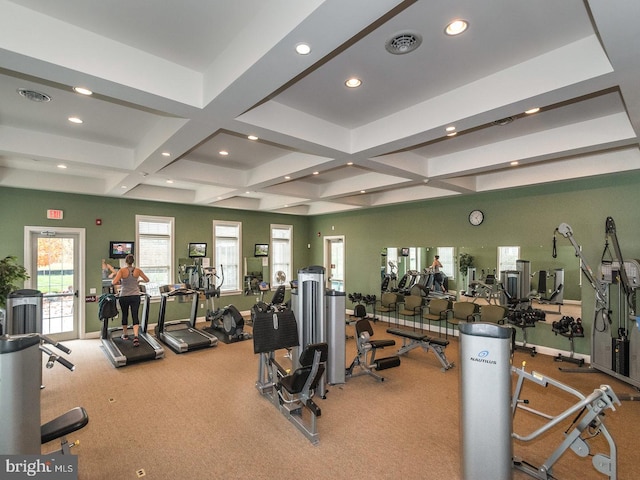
(197, 250)
(404, 251)
(120, 249)
(261, 250)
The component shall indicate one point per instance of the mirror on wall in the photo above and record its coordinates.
(485, 259)
(397, 262)
(256, 271)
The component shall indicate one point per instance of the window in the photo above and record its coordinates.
(281, 253)
(392, 261)
(414, 258)
(507, 257)
(447, 255)
(227, 252)
(154, 242)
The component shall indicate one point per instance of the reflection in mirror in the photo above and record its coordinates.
(400, 265)
(254, 274)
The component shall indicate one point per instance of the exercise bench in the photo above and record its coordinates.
(368, 363)
(411, 340)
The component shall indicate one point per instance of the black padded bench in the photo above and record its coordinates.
(73, 420)
(411, 340)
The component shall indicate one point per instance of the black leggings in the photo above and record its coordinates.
(132, 302)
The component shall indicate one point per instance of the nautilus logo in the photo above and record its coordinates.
(481, 357)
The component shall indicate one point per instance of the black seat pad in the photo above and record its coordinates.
(73, 420)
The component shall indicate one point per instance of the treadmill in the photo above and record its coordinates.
(182, 335)
(122, 352)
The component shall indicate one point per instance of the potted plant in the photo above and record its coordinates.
(10, 273)
(465, 262)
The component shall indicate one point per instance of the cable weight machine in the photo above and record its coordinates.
(615, 339)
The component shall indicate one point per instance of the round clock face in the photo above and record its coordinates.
(476, 217)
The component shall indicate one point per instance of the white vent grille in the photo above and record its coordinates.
(402, 43)
(33, 95)
(504, 121)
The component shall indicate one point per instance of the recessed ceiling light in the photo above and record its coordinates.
(82, 91)
(353, 82)
(123, 186)
(363, 191)
(303, 49)
(169, 181)
(62, 166)
(287, 177)
(286, 206)
(252, 137)
(316, 173)
(456, 27)
(166, 154)
(450, 129)
(223, 152)
(452, 134)
(514, 163)
(75, 120)
(349, 163)
(532, 110)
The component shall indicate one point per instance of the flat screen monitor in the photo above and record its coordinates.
(197, 250)
(120, 249)
(261, 250)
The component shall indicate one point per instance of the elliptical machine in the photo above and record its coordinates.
(21, 380)
(228, 319)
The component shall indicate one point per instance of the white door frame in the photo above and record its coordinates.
(327, 255)
(30, 230)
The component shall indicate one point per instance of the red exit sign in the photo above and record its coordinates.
(54, 214)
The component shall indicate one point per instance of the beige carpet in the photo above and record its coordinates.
(198, 415)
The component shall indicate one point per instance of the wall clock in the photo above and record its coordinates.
(476, 217)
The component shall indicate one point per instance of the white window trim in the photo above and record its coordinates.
(499, 269)
(451, 276)
(172, 222)
(239, 259)
(271, 260)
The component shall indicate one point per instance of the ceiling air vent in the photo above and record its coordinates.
(504, 121)
(402, 43)
(33, 95)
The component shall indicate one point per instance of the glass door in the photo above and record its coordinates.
(54, 271)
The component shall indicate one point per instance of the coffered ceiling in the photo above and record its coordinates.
(176, 83)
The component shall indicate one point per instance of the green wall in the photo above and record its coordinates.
(524, 216)
(192, 223)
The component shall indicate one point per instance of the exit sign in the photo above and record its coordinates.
(54, 214)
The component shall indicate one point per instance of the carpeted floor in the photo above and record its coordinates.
(198, 415)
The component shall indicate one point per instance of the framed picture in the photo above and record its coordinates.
(261, 250)
(197, 250)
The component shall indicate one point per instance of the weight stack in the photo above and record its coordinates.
(620, 356)
(24, 312)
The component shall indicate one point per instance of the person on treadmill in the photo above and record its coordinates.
(437, 274)
(129, 297)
